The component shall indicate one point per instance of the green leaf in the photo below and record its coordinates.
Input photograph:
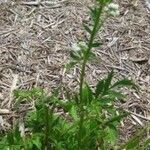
(56, 121)
(22, 94)
(116, 119)
(74, 55)
(124, 83)
(3, 146)
(108, 82)
(146, 144)
(104, 1)
(93, 13)
(111, 135)
(10, 138)
(133, 144)
(73, 113)
(36, 141)
(105, 101)
(115, 95)
(70, 65)
(99, 88)
(37, 92)
(87, 94)
(87, 28)
(91, 56)
(65, 104)
(96, 44)
(17, 134)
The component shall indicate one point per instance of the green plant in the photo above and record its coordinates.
(88, 119)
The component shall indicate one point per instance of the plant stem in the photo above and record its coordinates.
(46, 127)
(82, 75)
(90, 43)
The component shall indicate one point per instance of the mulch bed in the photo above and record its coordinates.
(35, 39)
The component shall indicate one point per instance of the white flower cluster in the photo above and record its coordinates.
(77, 46)
(112, 9)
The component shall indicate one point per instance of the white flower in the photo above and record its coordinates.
(113, 6)
(77, 46)
(114, 13)
(82, 44)
(112, 9)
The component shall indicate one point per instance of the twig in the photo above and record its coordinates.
(6, 32)
(4, 112)
(127, 49)
(135, 114)
(39, 2)
(13, 87)
(116, 67)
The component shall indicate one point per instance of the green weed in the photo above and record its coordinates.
(88, 120)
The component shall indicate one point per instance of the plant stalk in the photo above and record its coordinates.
(90, 43)
(46, 142)
(82, 74)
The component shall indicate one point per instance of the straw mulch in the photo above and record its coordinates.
(35, 38)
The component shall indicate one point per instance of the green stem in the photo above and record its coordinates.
(46, 127)
(85, 59)
(82, 75)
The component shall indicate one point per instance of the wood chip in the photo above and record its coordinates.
(4, 111)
